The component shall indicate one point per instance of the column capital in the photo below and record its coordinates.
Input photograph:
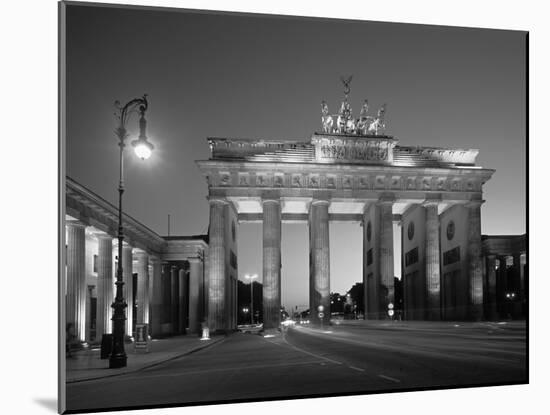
(140, 253)
(386, 199)
(316, 202)
(127, 247)
(274, 195)
(271, 200)
(124, 243)
(103, 236)
(153, 259)
(474, 203)
(217, 200)
(75, 223)
(432, 200)
(194, 260)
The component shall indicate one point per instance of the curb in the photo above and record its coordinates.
(160, 361)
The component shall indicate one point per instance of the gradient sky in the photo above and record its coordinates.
(264, 77)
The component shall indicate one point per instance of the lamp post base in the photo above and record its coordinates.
(116, 362)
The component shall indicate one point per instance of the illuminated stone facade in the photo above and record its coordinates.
(506, 281)
(165, 284)
(369, 180)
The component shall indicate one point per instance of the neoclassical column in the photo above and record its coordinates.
(128, 292)
(475, 262)
(195, 290)
(155, 308)
(271, 263)
(386, 288)
(370, 260)
(183, 305)
(142, 287)
(521, 277)
(89, 294)
(105, 285)
(216, 265)
(319, 293)
(76, 278)
(502, 286)
(491, 288)
(433, 276)
(174, 297)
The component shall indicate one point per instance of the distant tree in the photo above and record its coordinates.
(358, 297)
(243, 302)
(284, 314)
(398, 293)
(337, 303)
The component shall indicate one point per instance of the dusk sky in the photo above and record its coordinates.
(224, 75)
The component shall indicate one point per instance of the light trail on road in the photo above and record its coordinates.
(305, 362)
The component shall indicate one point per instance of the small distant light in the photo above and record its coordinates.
(269, 335)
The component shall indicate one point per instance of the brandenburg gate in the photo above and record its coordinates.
(350, 171)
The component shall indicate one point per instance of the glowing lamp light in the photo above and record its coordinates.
(143, 148)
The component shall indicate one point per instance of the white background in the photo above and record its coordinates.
(29, 204)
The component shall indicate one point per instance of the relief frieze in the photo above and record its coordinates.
(380, 182)
(297, 181)
(346, 182)
(342, 150)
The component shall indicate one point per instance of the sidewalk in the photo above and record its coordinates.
(87, 365)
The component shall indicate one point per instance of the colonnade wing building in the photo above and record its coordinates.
(165, 284)
(435, 194)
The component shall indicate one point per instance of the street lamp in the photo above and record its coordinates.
(251, 277)
(143, 150)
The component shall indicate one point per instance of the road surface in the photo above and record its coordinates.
(314, 362)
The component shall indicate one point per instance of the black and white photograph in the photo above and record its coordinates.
(262, 207)
(275, 207)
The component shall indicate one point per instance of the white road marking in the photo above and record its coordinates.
(311, 354)
(315, 355)
(390, 378)
(149, 375)
(356, 368)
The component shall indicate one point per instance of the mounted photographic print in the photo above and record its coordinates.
(261, 207)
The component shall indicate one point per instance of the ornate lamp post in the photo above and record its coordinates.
(251, 278)
(143, 150)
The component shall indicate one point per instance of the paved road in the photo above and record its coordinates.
(313, 362)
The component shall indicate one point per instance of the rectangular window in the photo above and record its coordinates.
(95, 263)
(411, 257)
(369, 257)
(451, 256)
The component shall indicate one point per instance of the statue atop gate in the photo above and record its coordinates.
(365, 125)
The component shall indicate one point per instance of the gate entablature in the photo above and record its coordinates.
(340, 149)
(246, 182)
